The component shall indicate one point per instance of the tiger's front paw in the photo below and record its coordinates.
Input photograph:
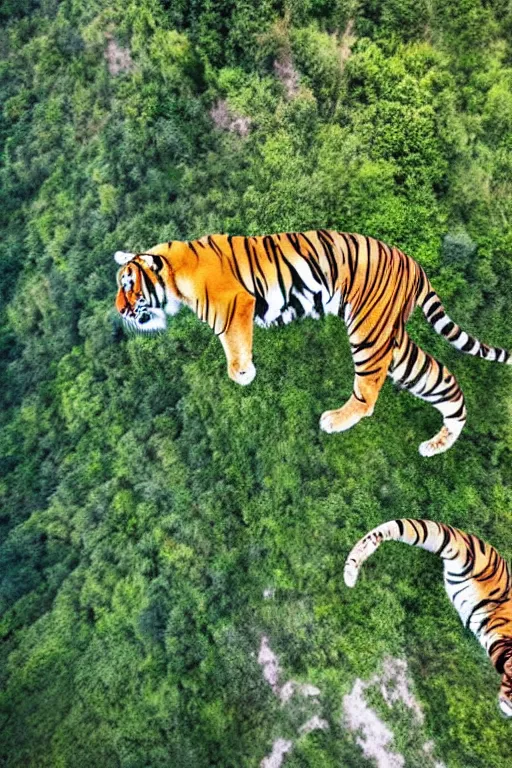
(243, 377)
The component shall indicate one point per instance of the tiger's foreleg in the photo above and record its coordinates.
(429, 380)
(236, 338)
(371, 362)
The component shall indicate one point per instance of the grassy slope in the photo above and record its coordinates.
(147, 501)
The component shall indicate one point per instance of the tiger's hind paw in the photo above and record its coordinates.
(439, 444)
(344, 418)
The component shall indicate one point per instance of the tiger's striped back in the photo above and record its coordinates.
(476, 577)
(293, 274)
(325, 270)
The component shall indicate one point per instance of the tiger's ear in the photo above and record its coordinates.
(148, 259)
(122, 257)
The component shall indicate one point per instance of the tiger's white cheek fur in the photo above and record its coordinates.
(157, 322)
(160, 293)
(172, 305)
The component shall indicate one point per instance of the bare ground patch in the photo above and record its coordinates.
(279, 749)
(269, 662)
(347, 41)
(287, 74)
(271, 672)
(373, 735)
(118, 59)
(226, 119)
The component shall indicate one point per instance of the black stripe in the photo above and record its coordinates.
(390, 304)
(458, 413)
(375, 357)
(257, 262)
(423, 370)
(446, 539)
(192, 248)
(432, 309)
(368, 373)
(429, 392)
(425, 530)
(268, 240)
(505, 652)
(439, 316)
(413, 356)
(214, 246)
(229, 318)
(429, 295)
(480, 604)
(482, 625)
(318, 304)
(350, 261)
(207, 299)
(329, 253)
(249, 259)
(470, 343)
(234, 266)
(413, 525)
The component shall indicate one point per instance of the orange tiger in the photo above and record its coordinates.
(476, 577)
(229, 282)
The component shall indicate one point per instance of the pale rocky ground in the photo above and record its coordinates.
(118, 59)
(374, 736)
(225, 118)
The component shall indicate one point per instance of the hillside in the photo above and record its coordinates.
(171, 544)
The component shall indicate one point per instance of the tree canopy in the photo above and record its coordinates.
(147, 503)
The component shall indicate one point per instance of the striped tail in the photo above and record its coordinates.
(433, 310)
(426, 534)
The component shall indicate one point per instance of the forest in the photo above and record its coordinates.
(172, 544)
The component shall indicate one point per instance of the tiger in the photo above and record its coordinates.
(477, 580)
(232, 282)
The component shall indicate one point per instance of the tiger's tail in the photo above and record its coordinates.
(435, 537)
(434, 311)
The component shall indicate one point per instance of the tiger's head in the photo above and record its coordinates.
(505, 697)
(144, 295)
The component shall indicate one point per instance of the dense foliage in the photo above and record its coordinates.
(147, 501)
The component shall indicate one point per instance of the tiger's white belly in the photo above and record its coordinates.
(312, 303)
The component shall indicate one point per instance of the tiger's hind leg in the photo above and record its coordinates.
(371, 362)
(425, 377)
